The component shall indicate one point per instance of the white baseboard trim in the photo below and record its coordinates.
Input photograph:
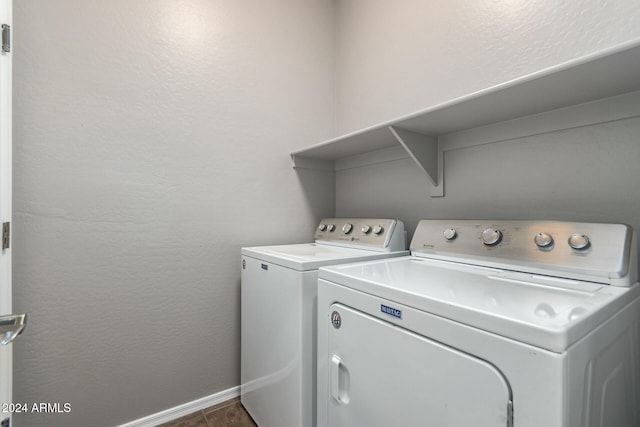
(184, 409)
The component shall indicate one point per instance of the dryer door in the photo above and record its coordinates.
(383, 375)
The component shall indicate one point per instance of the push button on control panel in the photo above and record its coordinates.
(491, 236)
(543, 240)
(579, 241)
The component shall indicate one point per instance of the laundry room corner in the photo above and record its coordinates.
(183, 241)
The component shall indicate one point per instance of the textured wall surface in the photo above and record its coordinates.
(151, 142)
(395, 58)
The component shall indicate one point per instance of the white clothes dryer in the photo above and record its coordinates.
(279, 312)
(487, 324)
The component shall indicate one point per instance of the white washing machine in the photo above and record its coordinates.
(279, 312)
(487, 324)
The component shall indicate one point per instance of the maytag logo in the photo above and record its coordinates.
(391, 311)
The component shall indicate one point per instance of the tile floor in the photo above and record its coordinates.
(225, 414)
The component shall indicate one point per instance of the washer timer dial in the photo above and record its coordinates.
(346, 229)
(450, 233)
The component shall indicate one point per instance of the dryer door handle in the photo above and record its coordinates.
(335, 377)
(339, 380)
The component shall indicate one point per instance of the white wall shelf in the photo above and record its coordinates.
(590, 78)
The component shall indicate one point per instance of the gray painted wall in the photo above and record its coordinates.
(151, 142)
(590, 173)
(395, 58)
(448, 49)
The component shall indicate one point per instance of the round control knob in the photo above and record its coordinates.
(491, 236)
(543, 240)
(449, 233)
(366, 229)
(378, 229)
(322, 227)
(346, 229)
(331, 227)
(578, 241)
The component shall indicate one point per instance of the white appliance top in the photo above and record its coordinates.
(533, 299)
(338, 240)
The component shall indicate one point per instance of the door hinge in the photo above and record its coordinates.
(510, 413)
(6, 235)
(6, 38)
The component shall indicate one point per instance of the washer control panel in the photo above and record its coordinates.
(360, 231)
(589, 249)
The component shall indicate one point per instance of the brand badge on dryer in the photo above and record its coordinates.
(391, 311)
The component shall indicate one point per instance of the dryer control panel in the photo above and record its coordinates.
(586, 251)
(381, 234)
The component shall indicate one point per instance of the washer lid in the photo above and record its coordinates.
(544, 311)
(311, 256)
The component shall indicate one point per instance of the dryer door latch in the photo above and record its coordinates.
(6, 38)
(6, 235)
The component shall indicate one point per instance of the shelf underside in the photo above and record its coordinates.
(597, 76)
